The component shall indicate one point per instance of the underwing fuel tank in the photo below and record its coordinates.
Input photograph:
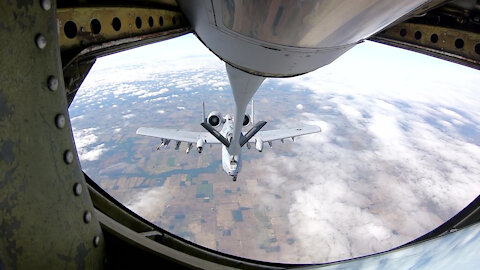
(284, 38)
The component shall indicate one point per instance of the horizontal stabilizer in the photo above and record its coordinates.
(252, 132)
(216, 134)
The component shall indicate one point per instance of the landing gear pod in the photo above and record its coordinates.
(200, 143)
(259, 145)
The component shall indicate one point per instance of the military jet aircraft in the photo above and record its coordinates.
(231, 159)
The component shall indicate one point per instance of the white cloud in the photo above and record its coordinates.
(94, 153)
(84, 137)
(76, 118)
(128, 116)
(352, 114)
(149, 201)
(450, 113)
(390, 164)
(86, 143)
(299, 107)
(153, 94)
(155, 100)
(382, 178)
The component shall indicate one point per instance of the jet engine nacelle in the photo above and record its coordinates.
(200, 143)
(246, 120)
(259, 145)
(214, 119)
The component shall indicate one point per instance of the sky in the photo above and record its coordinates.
(181, 48)
(390, 68)
(399, 151)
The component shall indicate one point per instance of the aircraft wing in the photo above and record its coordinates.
(279, 134)
(178, 135)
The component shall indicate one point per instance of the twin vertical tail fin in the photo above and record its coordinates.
(204, 119)
(253, 112)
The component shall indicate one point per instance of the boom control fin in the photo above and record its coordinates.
(216, 134)
(256, 128)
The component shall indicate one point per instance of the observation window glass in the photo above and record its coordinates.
(399, 151)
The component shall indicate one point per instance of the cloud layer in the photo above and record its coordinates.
(86, 142)
(386, 169)
(399, 151)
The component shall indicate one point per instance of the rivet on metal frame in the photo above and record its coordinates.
(68, 157)
(46, 4)
(87, 217)
(77, 189)
(41, 41)
(60, 121)
(96, 241)
(52, 83)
